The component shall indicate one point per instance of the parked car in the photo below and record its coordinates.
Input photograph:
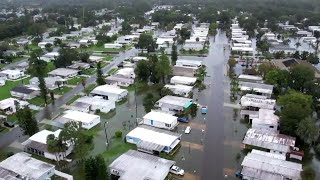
(8, 124)
(188, 129)
(177, 171)
(204, 109)
(183, 120)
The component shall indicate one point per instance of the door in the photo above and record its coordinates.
(151, 122)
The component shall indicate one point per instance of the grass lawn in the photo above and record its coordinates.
(62, 90)
(50, 66)
(73, 99)
(112, 71)
(12, 118)
(38, 101)
(104, 64)
(90, 88)
(90, 71)
(5, 90)
(75, 80)
(107, 57)
(3, 130)
(116, 148)
(33, 47)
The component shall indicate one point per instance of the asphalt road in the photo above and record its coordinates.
(213, 143)
(50, 110)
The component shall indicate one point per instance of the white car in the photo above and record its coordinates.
(177, 171)
(188, 129)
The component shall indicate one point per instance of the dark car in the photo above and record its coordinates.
(8, 124)
(183, 120)
(120, 65)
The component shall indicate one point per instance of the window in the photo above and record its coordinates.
(168, 125)
(271, 126)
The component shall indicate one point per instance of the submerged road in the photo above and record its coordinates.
(213, 161)
(50, 110)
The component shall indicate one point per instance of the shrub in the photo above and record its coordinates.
(118, 134)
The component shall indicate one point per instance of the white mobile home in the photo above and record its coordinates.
(160, 120)
(112, 46)
(37, 144)
(109, 92)
(266, 120)
(174, 104)
(139, 58)
(64, 73)
(87, 120)
(87, 104)
(179, 89)
(183, 80)
(250, 78)
(51, 82)
(188, 63)
(153, 140)
(12, 74)
(119, 80)
(258, 88)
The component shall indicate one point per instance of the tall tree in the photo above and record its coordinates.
(174, 55)
(307, 130)
(148, 102)
(66, 56)
(95, 168)
(296, 106)
(299, 75)
(27, 122)
(100, 80)
(146, 41)
(142, 70)
(163, 68)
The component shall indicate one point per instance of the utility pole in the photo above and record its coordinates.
(105, 131)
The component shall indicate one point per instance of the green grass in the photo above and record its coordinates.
(38, 101)
(12, 118)
(50, 66)
(104, 64)
(93, 131)
(101, 48)
(89, 71)
(5, 90)
(116, 148)
(112, 71)
(75, 80)
(73, 99)
(62, 90)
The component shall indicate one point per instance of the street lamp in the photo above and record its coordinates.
(105, 130)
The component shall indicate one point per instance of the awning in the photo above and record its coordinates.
(188, 105)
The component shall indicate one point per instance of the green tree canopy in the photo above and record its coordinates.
(27, 122)
(307, 130)
(296, 106)
(142, 70)
(147, 42)
(299, 75)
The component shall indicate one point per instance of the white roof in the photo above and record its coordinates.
(257, 101)
(243, 49)
(269, 140)
(250, 77)
(95, 58)
(135, 165)
(160, 117)
(175, 100)
(98, 101)
(51, 54)
(264, 165)
(26, 166)
(138, 58)
(41, 137)
(80, 116)
(63, 72)
(164, 40)
(126, 71)
(9, 102)
(189, 62)
(258, 87)
(11, 71)
(267, 117)
(183, 79)
(108, 89)
(179, 87)
(149, 135)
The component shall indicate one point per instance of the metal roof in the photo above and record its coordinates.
(23, 89)
(256, 101)
(269, 140)
(264, 165)
(258, 87)
(140, 166)
(174, 100)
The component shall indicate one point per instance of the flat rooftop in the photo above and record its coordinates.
(141, 166)
(63, 72)
(24, 165)
(108, 89)
(258, 87)
(41, 136)
(160, 117)
(154, 135)
(174, 100)
(269, 140)
(264, 165)
(80, 116)
(266, 116)
(257, 101)
(250, 77)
